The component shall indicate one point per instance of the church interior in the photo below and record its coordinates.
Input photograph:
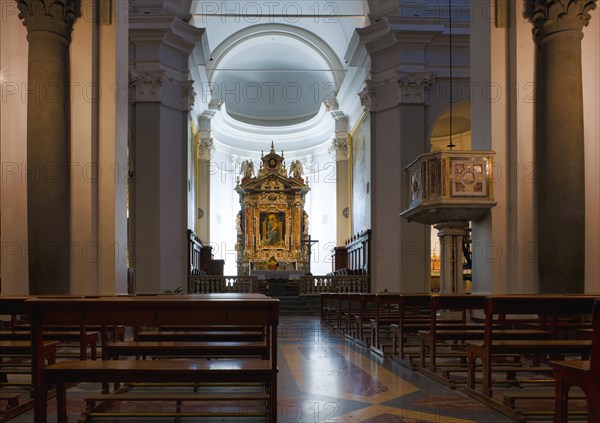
(369, 210)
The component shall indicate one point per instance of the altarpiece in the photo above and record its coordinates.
(272, 226)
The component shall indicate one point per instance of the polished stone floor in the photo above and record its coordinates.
(326, 378)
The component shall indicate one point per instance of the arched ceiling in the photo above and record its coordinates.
(274, 63)
(273, 75)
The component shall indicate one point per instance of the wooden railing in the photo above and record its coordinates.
(315, 285)
(201, 284)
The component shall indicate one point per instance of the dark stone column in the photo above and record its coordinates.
(49, 24)
(560, 178)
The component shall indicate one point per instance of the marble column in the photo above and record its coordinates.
(49, 25)
(560, 191)
(451, 236)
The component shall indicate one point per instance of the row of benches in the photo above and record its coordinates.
(238, 332)
(445, 336)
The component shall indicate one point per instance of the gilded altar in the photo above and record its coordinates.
(272, 226)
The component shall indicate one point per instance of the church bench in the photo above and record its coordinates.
(411, 318)
(458, 329)
(153, 312)
(325, 299)
(360, 320)
(23, 349)
(188, 349)
(205, 335)
(446, 305)
(498, 312)
(581, 373)
(85, 339)
(351, 308)
(340, 323)
(387, 312)
(92, 410)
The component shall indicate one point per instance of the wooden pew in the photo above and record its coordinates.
(387, 312)
(351, 307)
(498, 310)
(360, 321)
(440, 330)
(155, 311)
(19, 350)
(326, 298)
(582, 373)
(411, 319)
(454, 334)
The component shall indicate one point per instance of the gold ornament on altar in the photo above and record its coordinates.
(273, 226)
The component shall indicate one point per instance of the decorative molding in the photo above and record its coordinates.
(55, 16)
(367, 97)
(147, 86)
(331, 105)
(188, 94)
(206, 148)
(340, 148)
(413, 87)
(554, 16)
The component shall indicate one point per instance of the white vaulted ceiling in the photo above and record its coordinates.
(273, 64)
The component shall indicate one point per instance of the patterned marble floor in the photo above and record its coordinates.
(325, 378)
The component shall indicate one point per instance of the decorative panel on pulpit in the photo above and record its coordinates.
(272, 226)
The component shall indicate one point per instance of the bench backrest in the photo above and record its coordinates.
(13, 306)
(152, 311)
(454, 302)
(595, 355)
(549, 306)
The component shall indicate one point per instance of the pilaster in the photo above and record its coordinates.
(340, 152)
(204, 152)
(162, 95)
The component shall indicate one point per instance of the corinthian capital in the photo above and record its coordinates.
(553, 16)
(367, 97)
(146, 86)
(413, 87)
(340, 148)
(55, 16)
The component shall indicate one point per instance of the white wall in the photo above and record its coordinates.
(224, 205)
(321, 208)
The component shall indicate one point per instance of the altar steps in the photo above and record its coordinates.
(302, 305)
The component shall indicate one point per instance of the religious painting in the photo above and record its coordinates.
(272, 229)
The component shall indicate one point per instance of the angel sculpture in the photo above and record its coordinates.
(296, 170)
(247, 169)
